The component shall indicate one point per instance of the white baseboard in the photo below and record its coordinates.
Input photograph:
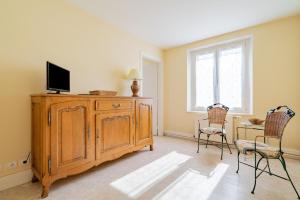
(179, 134)
(290, 153)
(184, 135)
(13, 180)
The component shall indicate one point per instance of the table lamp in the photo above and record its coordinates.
(134, 75)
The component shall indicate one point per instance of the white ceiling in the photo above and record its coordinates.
(168, 23)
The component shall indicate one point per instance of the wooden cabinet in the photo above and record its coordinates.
(114, 132)
(72, 133)
(70, 136)
(143, 127)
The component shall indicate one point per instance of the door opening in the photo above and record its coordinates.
(150, 84)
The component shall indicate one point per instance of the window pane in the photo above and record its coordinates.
(230, 77)
(204, 79)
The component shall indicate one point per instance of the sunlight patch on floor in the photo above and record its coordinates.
(192, 185)
(142, 179)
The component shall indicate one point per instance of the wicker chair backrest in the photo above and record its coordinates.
(276, 121)
(217, 114)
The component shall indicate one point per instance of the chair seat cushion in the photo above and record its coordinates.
(212, 130)
(247, 146)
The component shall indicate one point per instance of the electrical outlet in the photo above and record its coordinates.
(12, 165)
(24, 163)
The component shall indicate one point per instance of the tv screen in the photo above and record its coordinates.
(58, 79)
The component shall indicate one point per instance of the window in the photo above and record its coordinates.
(221, 73)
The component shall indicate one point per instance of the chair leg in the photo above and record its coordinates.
(198, 141)
(255, 170)
(269, 167)
(222, 147)
(207, 140)
(238, 157)
(227, 144)
(254, 173)
(285, 169)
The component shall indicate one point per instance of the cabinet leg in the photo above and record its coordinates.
(34, 179)
(45, 191)
(151, 147)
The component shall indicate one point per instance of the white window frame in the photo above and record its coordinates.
(247, 94)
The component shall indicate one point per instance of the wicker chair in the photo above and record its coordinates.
(275, 123)
(216, 115)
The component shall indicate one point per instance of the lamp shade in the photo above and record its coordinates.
(134, 74)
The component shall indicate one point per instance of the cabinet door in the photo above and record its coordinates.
(143, 131)
(70, 136)
(114, 132)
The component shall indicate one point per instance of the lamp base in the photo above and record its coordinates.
(135, 88)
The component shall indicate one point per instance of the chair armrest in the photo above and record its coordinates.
(262, 136)
(237, 131)
(256, 137)
(202, 119)
(199, 122)
(242, 127)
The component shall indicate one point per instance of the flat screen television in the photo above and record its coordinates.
(58, 78)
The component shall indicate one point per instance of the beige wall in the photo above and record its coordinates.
(98, 55)
(276, 75)
(34, 31)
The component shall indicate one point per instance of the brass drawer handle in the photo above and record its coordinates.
(116, 105)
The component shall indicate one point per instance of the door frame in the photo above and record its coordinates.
(158, 60)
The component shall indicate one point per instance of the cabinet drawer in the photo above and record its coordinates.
(113, 105)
